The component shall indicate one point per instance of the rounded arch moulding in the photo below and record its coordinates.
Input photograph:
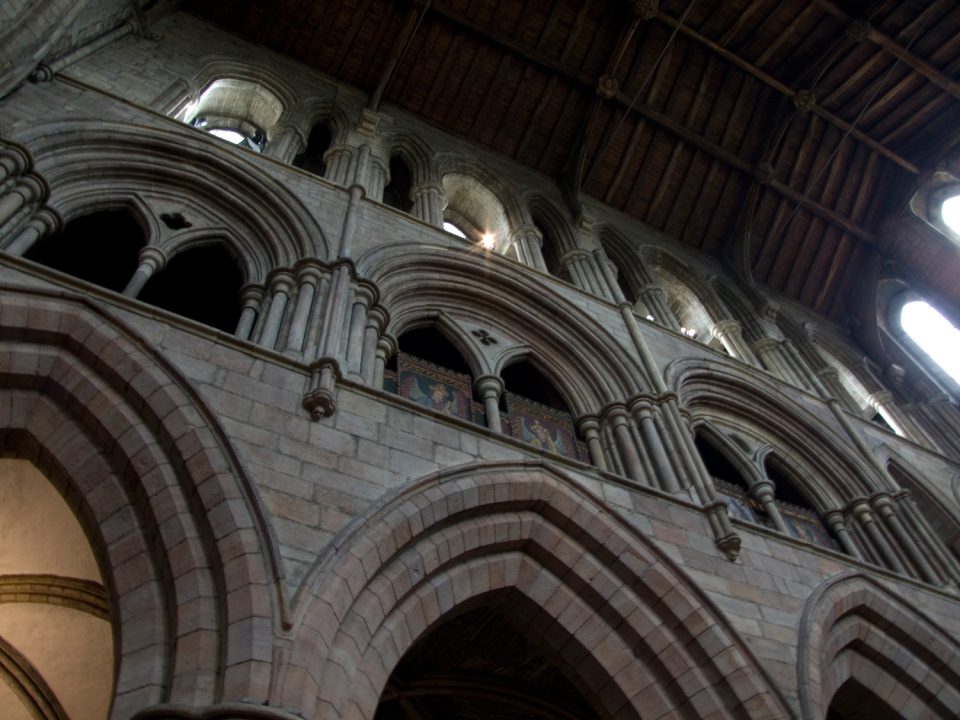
(577, 355)
(616, 614)
(86, 162)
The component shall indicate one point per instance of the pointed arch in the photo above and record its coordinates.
(579, 356)
(414, 152)
(853, 628)
(159, 490)
(628, 623)
(727, 393)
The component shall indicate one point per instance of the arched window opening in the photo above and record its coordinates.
(853, 701)
(454, 230)
(397, 193)
(687, 308)
(934, 335)
(476, 212)
(55, 632)
(312, 158)
(535, 412)
(483, 664)
(101, 248)
(729, 482)
(550, 249)
(237, 111)
(950, 212)
(801, 519)
(201, 283)
(429, 370)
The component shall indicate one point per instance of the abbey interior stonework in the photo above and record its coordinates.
(434, 360)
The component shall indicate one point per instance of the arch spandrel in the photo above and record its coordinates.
(614, 602)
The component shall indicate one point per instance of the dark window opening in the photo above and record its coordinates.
(718, 465)
(397, 193)
(101, 248)
(429, 344)
(551, 253)
(784, 489)
(202, 284)
(481, 664)
(312, 158)
(525, 380)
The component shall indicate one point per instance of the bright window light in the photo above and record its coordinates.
(934, 334)
(231, 136)
(488, 241)
(950, 211)
(454, 230)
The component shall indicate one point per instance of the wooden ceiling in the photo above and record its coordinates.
(784, 136)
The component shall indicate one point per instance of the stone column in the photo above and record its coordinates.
(571, 263)
(529, 243)
(251, 298)
(386, 347)
(308, 277)
(902, 425)
(152, 259)
(830, 380)
(643, 415)
(13, 161)
(339, 162)
(729, 334)
(655, 298)
(29, 189)
(428, 202)
(762, 492)
(590, 429)
(43, 223)
(363, 297)
(489, 388)
(377, 319)
(947, 560)
(883, 504)
(835, 522)
(861, 511)
(281, 285)
(285, 143)
(378, 174)
(771, 357)
(606, 272)
(618, 418)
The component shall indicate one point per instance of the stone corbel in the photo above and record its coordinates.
(320, 400)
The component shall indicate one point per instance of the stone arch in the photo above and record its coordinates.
(731, 395)
(689, 296)
(591, 364)
(632, 623)
(414, 152)
(558, 237)
(632, 275)
(82, 161)
(852, 627)
(499, 207)
(159, 491)
(730, 450)
(200, 237)
(451, 331)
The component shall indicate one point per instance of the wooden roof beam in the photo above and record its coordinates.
(658, 118)
(764, 77)
(887, 43)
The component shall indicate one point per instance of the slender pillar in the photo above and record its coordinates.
(948, 561)
(489, 388)
(285, 143)
(730, 335)
(152, 259)
(338, 160)
(386, 347)
(773, 358)
(570, 262)
(643, 415)
(590, 429)
(43, 223)
(605, 271)
(883, 504)
(29, 189)
(13, 161)
(308, 276)
(655, 298)
(835, 522)
(251, 298)
(529, 243)
(762, 492)
(377, 319)
(281, 285)
(363, 297)
(618, 418)
(861, 511)
(428, 202)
